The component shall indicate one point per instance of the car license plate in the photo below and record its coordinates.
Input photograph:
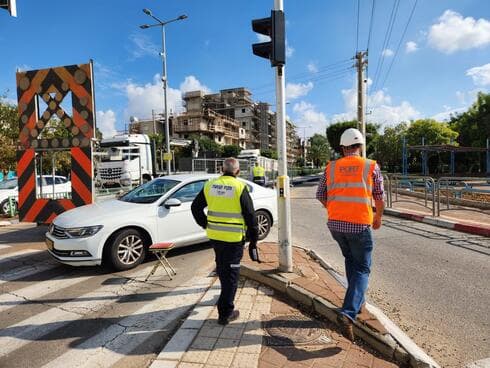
(49, 244)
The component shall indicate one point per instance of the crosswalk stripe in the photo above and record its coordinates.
(24, 271)
(39, 289)
(123, 337)
(22, 333)
(8, 257)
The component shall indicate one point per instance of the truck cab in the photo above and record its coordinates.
(125, 160)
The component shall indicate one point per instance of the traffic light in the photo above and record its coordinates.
(10, 6)
(275, 49)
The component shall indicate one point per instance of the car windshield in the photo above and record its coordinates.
(149, 192)
(8, 184)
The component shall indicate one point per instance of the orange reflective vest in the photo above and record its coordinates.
(349, 190)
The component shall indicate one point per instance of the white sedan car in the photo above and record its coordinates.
(119, 231)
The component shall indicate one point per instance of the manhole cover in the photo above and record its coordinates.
(294, 330)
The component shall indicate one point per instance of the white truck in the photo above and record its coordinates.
(125, 159)
(253, 155)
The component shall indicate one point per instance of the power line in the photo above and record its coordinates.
(371, 24)
(357, 36)
(400, 43)
(389, 30)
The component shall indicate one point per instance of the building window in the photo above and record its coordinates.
(243, 110)
(244, 124)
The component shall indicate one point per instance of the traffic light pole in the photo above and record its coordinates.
(283, 201)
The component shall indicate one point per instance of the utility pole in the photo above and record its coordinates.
(361, 124)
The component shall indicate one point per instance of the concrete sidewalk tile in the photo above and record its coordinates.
(379, 363)
(251, 339)
(164, 364)
(178, 344)
(226, 345)
(275, 356)
(244, 360)
(232, 333)
(203, 343)
(198, 316)
(220, 358)
(190, 365)
(359, 356)
(249, 347)
(264, 290)
(210, 331)
(196, 356)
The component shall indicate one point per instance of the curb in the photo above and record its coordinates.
(395, 345)
(447, 224)
(4, 223)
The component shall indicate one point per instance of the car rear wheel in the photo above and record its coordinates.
(127, 250)
(5, 207)
(264, 223)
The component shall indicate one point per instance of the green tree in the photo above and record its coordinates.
(334, 132)
(319, 150)
(388, 147)
(473, 125)
(269, 153)
(9, 134)
(433, 131)
(231, 150)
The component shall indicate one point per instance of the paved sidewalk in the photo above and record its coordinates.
(269, 333)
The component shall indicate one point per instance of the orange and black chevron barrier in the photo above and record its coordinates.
(52, 86)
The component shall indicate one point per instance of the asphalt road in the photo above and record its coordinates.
(433, 282)
(59, 316)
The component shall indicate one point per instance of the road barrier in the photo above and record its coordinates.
(445, 190)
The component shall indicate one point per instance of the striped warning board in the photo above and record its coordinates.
(52, 86)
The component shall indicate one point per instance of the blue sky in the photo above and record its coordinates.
(443, 60)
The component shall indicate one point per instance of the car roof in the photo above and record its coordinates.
(188, 177)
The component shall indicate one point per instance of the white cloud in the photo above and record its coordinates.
(106, 122)
(454, 33)
(306, 114)
(447, 113)
(381, 106)
(312, 67)
(480, 75)
(142, 46)
(191, 83)
(144, 98)
(263, 38)
(410, 47)
(296, 90)
(289, 50)
(23, 68)
(387, 53)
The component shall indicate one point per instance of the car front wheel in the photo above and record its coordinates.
(264, 223)
(5, 207)
(127, 250)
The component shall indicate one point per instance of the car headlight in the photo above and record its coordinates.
(83, 232)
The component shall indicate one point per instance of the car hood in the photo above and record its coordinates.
(101, 213)
(5, 193)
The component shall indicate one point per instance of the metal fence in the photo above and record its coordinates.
(442, 194)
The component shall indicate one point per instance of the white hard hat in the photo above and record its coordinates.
(350, 137)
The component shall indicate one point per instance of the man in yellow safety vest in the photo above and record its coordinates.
(259, 174)
(230, 217)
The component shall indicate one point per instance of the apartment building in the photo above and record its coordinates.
(232, 117)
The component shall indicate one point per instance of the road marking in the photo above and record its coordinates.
(22, 333)
(2, 246)
(39, 289)
(24, 271)
(115, 342)
(9, 257)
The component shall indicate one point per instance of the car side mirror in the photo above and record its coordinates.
(172, 202)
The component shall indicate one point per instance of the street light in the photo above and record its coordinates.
(163, 54)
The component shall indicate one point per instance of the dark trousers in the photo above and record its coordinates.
(228, 256)
(260, 180)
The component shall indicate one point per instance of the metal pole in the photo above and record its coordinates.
(360, 98)
(165, 83)
(154, 122)
(404, 156)
(488, 156)
(284, 205)
(452, 159)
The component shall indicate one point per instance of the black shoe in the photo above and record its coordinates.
(232, 317)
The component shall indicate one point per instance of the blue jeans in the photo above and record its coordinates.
(357, 249)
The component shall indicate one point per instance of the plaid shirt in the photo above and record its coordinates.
(344, 226)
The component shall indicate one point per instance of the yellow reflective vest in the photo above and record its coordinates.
(225, 220)
(259, 171)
